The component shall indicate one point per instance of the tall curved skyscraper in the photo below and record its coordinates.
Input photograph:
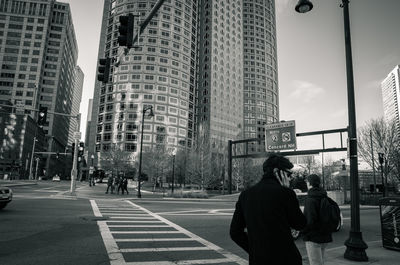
(207, 67)
(261, 94)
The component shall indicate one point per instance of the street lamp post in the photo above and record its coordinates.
(355, 245)
(92, 170)
(381, 160)
(151, 114)
(173, 170)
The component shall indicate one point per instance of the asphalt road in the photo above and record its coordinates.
(43, 226)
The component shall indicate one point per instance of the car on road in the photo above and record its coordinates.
(5, 196)
(56, 178)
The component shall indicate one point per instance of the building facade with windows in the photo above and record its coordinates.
(220, 86)
(208, 68)
(76, 102)
(261, 104)
(160, 72)
(38, 53)
(391, 95)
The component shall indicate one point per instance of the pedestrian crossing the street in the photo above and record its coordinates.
(134, 235)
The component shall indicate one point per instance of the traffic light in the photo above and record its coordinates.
(42, 116)
(104, 70)
(125, 29)
(57, 154)
(80, 149)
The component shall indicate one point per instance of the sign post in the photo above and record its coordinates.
(74, 172)
(280, 136)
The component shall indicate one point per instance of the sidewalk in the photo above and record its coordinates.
(16, 182)
(377, 255)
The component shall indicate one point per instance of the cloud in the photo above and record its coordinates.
(341, 113)
(306, 91)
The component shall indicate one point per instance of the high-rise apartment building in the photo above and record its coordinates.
(261, 104)
(220, 86)
(76, 102)
(208, 68)
(38, 53)
(161, 72)
(391, 96)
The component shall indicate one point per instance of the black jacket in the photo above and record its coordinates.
(313, 231)
(268, 211)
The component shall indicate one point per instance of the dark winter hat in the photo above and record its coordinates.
(276, 161)
(314, 180)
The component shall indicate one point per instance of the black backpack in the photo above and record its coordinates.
(329, 215)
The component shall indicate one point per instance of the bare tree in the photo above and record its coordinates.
(117, 160)
(380, 136)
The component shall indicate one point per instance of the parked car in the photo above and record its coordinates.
(5, 196)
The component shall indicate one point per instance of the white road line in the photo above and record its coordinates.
(126, 214)
(138, 226)
(145, 232)
(181, 262)
(210, 245)
(153, 239)
(131, 217)
(95, 209)
(115, 256)
(126, 250)
(133, 221)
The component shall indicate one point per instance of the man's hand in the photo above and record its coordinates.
(284, 178)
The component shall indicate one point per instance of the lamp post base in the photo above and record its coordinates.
(355, 247)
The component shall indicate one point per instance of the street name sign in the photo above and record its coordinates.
(280, 136)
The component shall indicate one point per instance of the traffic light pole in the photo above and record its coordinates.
(31, 164)
(74, 171)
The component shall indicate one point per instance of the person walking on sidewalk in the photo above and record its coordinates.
(125, 185)
(268, 210)
(110, 184)
(315, 235)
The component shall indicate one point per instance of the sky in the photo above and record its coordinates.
(311, 60)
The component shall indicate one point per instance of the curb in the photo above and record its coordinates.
(17, 184)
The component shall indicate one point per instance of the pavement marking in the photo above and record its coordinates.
(113, 251)
(138, 225)
(145, 232)
(208, 244)
(96, 210)
(163, 249)
(153, 239)
(183, 262)
(145, 219)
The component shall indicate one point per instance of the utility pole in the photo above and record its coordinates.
(77, 137)
(32, 154)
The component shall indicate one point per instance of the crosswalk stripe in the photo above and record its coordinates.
(121, 226)
(163, 249)
(132, 217)
(133, 221)
(145, 232)
(126, 214)
(181, 262)
(153, 239)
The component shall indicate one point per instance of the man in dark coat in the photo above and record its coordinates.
(315, 237)
(268, 210)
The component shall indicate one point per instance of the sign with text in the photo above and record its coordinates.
(280, 136)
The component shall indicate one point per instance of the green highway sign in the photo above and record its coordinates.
(280, 136)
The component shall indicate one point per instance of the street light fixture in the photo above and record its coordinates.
(151, 114)
(355, 245)
(303, 6)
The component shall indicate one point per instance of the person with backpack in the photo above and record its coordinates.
(320, 215)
